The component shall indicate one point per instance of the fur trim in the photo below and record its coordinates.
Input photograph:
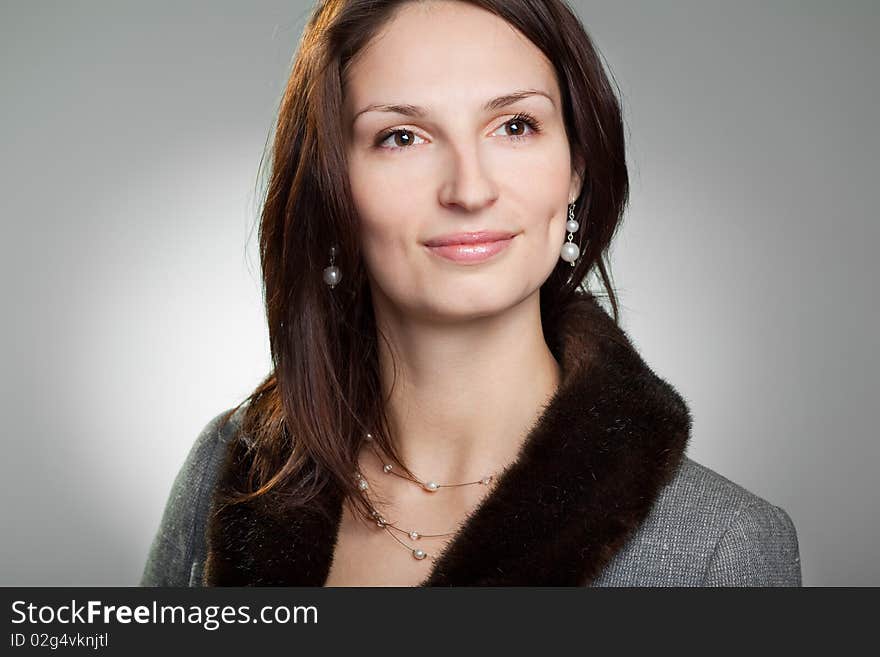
(586, 477)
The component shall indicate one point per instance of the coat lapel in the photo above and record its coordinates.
(586, 477)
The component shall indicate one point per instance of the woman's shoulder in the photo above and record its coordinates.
(176, 554)
(706, 530)
(697, 490)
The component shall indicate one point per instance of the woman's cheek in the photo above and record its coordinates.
(380, 242)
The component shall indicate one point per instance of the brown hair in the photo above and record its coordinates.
(325, 388)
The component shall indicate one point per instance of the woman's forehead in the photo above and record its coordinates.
(464, 55)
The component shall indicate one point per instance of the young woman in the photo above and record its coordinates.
(450, 405)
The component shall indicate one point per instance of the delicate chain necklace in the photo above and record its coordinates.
(426, 485)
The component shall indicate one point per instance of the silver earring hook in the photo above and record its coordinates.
(332, 273)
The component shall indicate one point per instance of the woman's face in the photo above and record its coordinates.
(459, 167)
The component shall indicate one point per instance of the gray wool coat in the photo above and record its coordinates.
(602, 475)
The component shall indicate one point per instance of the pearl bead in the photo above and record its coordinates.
(570, 252)
(387, 468)
(363, 485)
(414, 535)
(431, 486)
(332, 275)
(485, 480)
(419, 554)
(571, 226)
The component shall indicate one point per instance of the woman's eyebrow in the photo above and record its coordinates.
(421, 112)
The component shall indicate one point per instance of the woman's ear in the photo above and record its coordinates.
(578, 172)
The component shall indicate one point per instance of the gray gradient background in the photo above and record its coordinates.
(131, 138)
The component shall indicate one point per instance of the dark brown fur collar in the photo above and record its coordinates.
(586, 477)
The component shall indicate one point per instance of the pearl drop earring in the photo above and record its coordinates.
(570, 250)
(332, 274)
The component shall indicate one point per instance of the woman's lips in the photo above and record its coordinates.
(473, 252)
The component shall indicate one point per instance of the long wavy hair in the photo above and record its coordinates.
(305, 423)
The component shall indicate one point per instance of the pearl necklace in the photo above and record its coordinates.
(430, 486)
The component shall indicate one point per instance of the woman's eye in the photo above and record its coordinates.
(400, 138)
(519, 126)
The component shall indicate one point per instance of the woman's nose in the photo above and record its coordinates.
(468, 183)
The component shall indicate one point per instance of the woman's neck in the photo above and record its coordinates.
(466, 394)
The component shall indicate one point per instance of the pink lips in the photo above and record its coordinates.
(470, 247)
